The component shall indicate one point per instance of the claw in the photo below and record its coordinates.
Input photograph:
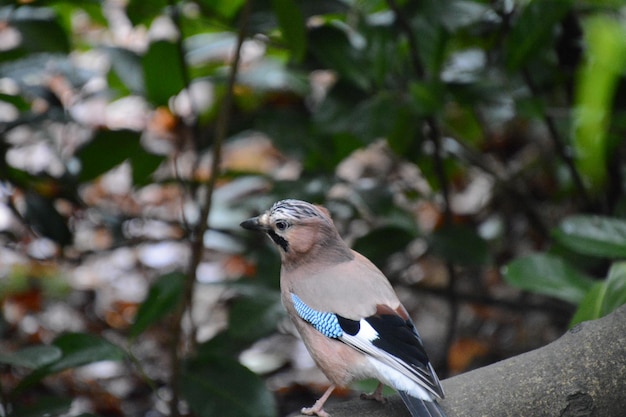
(376, 395)
(314, 411)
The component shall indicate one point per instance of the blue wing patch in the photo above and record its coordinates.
(325, 323)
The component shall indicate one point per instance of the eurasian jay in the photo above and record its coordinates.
(346, 311)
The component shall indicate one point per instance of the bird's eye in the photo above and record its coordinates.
(282, 225)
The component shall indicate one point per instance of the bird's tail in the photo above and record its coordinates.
(421, 408)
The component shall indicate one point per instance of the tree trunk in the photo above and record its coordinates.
(582, 374)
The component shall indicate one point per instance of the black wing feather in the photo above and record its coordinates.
(399, 338)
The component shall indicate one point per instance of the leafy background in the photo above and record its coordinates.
(471, 149)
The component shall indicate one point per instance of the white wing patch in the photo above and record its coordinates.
(366, 331)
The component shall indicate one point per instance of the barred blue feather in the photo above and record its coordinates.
(325, 323)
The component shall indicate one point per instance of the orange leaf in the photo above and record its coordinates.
(464, 352)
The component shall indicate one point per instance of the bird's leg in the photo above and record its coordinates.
(318, 407)
(376, 395)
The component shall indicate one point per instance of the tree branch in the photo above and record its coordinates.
(206, 200)
(582, 374)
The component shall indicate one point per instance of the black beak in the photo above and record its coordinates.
(252, 224)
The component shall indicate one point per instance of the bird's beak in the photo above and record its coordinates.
(252, 224)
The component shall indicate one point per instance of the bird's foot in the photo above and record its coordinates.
(318, 407)
(314, 411)
(376, 395)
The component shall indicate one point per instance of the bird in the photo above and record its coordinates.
(346, 311)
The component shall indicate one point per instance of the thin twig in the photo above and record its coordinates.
(440, 173)
(188, 191)
(559, 144)
(405, 26)
(434, 134)
(197, 242)
(136, 362)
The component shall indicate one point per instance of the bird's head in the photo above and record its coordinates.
(300, 230)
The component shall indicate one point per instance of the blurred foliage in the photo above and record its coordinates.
(164, 295)
(557, 275)
(481, 134)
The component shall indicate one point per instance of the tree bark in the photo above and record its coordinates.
(582, 374)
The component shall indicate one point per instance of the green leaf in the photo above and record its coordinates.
(17, 101)
(32, 357)
(339, 49)
(460, 245)
(405, 137)
(40, 30)
(396, 239)
(615, 288)
(379, 115)
(464, 124)
(224, 8)
(292, 26)
(222, 344)
(221, 386)
(68, 9)
(162, 72)
(255, 315)
(548, 275)
(144, 164)
(126, 65)
(106, 150)
(593, 235)
(77, 349)
(384, 53)
(605, 40)
(143, 11)
(163, 297)
(43, 216)
(604, 297)
(434, 40)
(458, 14)
(533, 31)
(288, 128)
(81, 349)
(590, 306)
(335, 113)
(374, 117)
(427, 97)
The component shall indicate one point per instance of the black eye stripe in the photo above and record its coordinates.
(278, 240)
